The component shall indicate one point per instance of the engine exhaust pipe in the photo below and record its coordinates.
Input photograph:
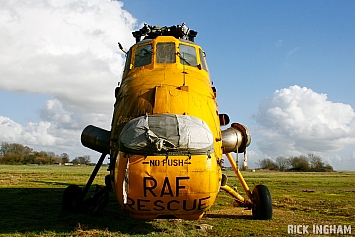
(97, 139)
(235, 139)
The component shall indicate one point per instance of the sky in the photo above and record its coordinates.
(285, 69)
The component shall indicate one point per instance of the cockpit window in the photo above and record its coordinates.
(143, 55)
(165, 53)
(187, 55)
(203, 60)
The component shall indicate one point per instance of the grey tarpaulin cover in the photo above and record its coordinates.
(167, 132)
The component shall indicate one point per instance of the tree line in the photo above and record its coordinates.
(310, 163)
(17, 154)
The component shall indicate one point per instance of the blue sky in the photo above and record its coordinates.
(285, 69)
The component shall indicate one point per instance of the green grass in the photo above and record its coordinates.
(30, 205)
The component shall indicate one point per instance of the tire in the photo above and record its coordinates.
(262, 208)
(72, 199)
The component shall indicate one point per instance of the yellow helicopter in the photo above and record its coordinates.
(166, 144)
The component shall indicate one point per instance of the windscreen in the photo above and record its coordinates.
(143, 55)
(187, 55)
(165, 53)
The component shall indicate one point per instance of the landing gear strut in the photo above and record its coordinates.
(73, 196)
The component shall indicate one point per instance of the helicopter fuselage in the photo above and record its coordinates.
(166, 138)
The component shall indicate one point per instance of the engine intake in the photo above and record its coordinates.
(235, 139)
(95, 138)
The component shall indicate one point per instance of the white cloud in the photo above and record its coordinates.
(58, 131)
(299, 121)
(67, 49)
(33, 133)
(64, 48)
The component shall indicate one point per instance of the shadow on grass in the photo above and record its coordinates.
(36, 210)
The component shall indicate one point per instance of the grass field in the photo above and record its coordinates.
(30, 205)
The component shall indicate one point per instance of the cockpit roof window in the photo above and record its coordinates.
(143, 55)
(165, 52)
(187, 55)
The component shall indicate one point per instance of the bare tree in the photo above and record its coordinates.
(282, 163)
(316, 162)
(268, 164)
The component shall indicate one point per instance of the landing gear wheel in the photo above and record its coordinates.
(72, 200)
(262, 208)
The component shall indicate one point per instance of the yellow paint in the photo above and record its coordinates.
(239, 174)
(233, 193)
(179, 185)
